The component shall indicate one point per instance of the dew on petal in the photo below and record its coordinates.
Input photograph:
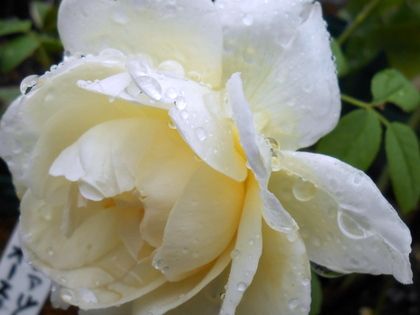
(180, 103)
(88, 296)
(293, 304)
(241, 286)
(172, 66)
(304, 190)
(349, 226)
(171, 93)
(248, 19)
(120, 17)
(201, 134)
(150, 86)
(66, 295)
(358, 177)
(28, 83)
(324, 271)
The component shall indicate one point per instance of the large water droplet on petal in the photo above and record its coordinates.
(172, 66)
(150, 86)
(248, 19)
(241, 286)
(120, 17)
(349, 226)
(180, 103)
(324, 271)
(303, 190)
(66, 295)
(28, 83)
(293, 304)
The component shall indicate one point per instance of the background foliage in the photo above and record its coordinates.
(376, 44)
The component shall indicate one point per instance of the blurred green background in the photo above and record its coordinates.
(376, 44)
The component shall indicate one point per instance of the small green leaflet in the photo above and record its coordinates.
(402, 151)
(316, 295)
(15, 51)
(340, 59)
(391, 86)
(13, 26)
(356, 140)
(39, 11)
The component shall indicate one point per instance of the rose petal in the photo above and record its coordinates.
(195, 109)
(247, 251)
(347, 224)
(25, 119)
(155, 182)
(258, 155)
(201, 225)
(282, 283)
(286, 65)
(186, 31)
(172, 295)
(105, 160)
(100, 272)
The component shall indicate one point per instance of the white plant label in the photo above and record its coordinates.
(23, 289)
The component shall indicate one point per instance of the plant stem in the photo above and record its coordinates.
(368, 106)
(360, 18)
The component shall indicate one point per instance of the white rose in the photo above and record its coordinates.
(161, 174)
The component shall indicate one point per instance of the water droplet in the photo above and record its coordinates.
(308, 87)
(150, 86)
(120, 17)
(235, 254)
(222, 295)
(133, 90)
(248, 19)
(241, 286)
(306, 282)
(111, 53)
(304, 190)
(196, 76)
(171, 93)
(171, 125)
(201, 134)
(88, 296)
(358, 177)
(324, 271)
(349, 226)
(172, 66)
(180, 103)
(66, 295)
(316, 241)
(28, 83)
(293, 303)
(292, 236)
(157, 264)
(184, 115)
(50, 251)
(251, 242)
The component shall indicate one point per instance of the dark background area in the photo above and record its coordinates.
(346, 295)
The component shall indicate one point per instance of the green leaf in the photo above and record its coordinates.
(12, 26)
(355, 140)
(39, 12)
(316, 295)
(402, 151)
(14, 52)
(391, 86)
(340, 59)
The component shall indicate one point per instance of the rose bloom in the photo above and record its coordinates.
(158, 170)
